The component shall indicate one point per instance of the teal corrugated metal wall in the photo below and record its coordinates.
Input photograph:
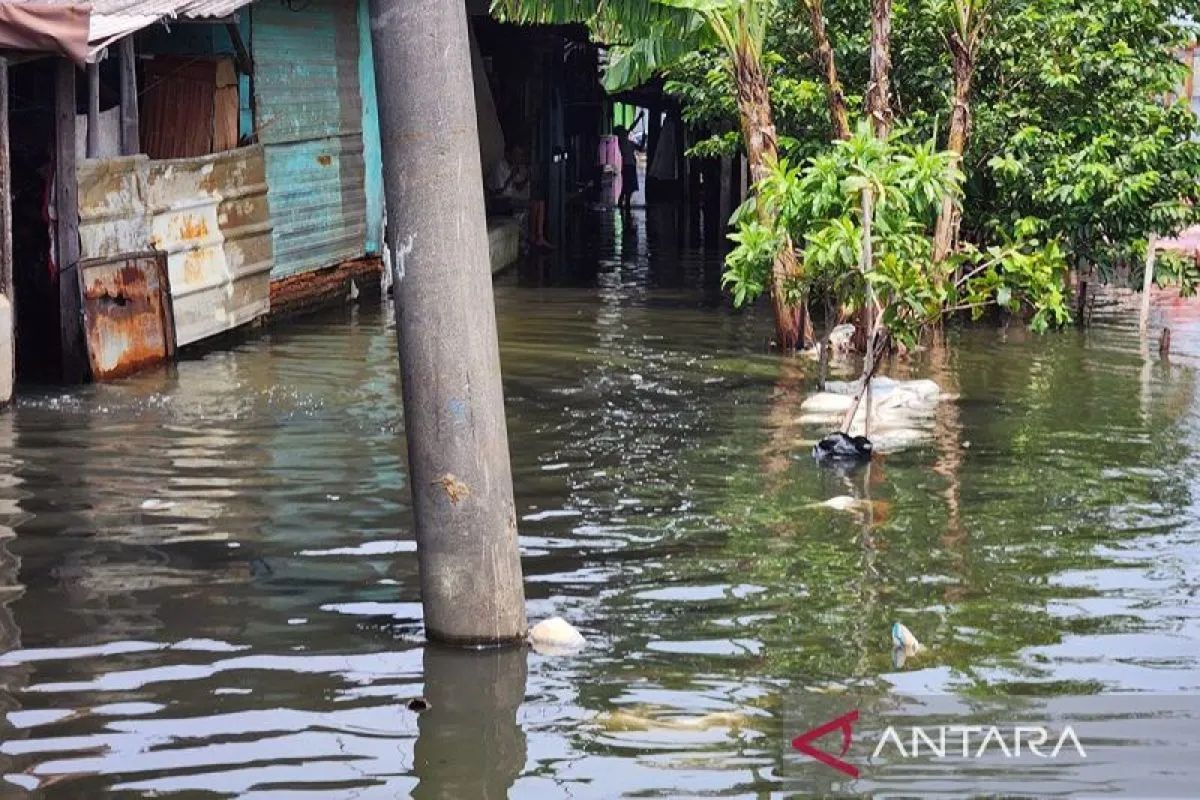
(309, 115)
(372, 149)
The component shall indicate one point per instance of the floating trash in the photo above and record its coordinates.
(902, 412)
(842, 448)
(904, 645)
(555, 637)
(625, 720)
(841, 503)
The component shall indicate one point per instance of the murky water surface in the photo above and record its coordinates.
(208, 579)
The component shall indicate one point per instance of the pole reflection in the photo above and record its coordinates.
(469, 742)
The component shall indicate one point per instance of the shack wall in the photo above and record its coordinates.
(210, 215)
(372, 145)
(309, 117)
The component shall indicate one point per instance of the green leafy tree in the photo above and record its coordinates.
(1074, 131)
(863, 212)
(1061, 110)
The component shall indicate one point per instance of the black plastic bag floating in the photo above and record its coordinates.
(842, 449)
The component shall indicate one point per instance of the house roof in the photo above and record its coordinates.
(115, 19)
(111, 20)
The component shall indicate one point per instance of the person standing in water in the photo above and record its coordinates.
(629, 170)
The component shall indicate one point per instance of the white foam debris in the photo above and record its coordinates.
(555, 636)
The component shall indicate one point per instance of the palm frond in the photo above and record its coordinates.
(631, 65)
(611, 21)
(646, 36)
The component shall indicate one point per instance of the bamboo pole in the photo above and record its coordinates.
(130, 143)
(93, 110)
(872, 358)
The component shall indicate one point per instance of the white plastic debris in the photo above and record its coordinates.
(827, 403)
(902, 412)
(555, 636)
(841, 503)
(904, 641)
(841, 338)
(841, 343)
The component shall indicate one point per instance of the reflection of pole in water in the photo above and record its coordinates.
(784, 431)
(947, 434)
(469, 742)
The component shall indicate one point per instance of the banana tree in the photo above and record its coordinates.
(835, 96)
(967, 22)
(646, 36)
(879, 92)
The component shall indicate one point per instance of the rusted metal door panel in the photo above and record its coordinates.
(127, 313)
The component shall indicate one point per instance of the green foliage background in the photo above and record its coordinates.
(1076, 134)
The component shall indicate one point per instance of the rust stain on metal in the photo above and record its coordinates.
(456, 490)
(211, 217)
(127, 313)
(194, 267)
(192, 228)
(324, 159)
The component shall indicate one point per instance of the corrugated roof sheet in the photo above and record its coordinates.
(114, 19)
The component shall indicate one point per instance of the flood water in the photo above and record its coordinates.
(208, 581)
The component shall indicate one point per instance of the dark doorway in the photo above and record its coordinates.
(35, 284)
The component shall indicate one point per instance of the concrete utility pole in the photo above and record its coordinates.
(470, 563)
(8, 335)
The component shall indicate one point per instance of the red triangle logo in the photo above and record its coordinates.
(844, 723)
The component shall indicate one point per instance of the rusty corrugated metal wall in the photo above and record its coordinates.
(308, 110)
(208, 214)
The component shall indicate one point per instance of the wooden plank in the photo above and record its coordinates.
(130, 142)
(66, 204)
(725, 200)
(93, 113)
(244, 63)
(1148, 283)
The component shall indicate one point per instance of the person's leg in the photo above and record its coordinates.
(538, 216)
(535, 223)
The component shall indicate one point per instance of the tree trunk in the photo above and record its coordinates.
(879, 92)
(839, 118)
(949, 217)
(792, 326)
